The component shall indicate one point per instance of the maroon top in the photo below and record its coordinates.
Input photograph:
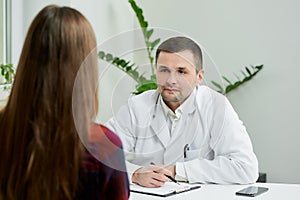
(103, 173)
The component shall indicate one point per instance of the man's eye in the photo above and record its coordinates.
(163, 70)
(181, 71)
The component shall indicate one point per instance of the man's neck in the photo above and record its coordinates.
(173, 105)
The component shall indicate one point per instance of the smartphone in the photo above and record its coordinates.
(252, 191)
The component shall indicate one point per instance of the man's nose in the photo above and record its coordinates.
(172, 79)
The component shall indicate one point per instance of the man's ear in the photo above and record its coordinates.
(200, 76)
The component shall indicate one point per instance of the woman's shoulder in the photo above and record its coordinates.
(100, 132)
(105, 147)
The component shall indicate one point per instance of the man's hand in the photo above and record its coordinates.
(172, 169)
(152, 175)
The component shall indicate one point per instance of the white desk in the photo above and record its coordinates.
(227, 192)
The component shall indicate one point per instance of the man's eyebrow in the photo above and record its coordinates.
(181, 68)
(163, 66)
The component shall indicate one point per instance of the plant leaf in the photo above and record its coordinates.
(154, 43)
(237, 77)
(226, 79)
(243, 73)
(134, 73)
(218, 86)
(228, 88)
(153, 78)
(144, 86)
(247, 78)
(236, 84)
(248, 70)
(109, 57)
(101, 54)
(259, 67)
(149, 33)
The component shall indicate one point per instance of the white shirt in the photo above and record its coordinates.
(171, 117)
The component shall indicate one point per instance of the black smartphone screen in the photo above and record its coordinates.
(252, 191)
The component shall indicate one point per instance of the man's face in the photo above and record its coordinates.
(176, 76)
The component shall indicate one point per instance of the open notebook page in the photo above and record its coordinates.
(167, 189)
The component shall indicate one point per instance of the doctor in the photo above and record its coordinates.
(189, 131)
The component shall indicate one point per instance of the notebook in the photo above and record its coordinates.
(168, 189)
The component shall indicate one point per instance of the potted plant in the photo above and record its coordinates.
(143, 83)
(7, 73)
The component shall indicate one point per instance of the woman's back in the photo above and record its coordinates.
(45, 126)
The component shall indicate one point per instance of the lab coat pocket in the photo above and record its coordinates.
(192, 154)
(205, 152)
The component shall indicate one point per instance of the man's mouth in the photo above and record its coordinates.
(171, 89)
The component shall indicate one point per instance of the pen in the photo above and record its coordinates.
(172, 179)
(169, 177)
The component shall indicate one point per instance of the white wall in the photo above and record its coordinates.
(235, 34)
(23, 13)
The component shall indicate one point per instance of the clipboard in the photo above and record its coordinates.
(168, 189)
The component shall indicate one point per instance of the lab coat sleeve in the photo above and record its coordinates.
(122, 125)
(234, 161)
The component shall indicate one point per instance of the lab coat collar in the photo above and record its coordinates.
(159, 124)
(189, 105)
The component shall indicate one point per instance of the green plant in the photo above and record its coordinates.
(248, 75)
(7, 73)
(144, 83)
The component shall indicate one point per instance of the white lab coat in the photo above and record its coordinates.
(215, 142)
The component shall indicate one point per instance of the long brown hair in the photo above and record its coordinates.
(40, 150)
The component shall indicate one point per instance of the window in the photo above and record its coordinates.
(5, 31)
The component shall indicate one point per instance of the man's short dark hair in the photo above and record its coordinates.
(179, 44)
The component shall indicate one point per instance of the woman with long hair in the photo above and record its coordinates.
(49, 146)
